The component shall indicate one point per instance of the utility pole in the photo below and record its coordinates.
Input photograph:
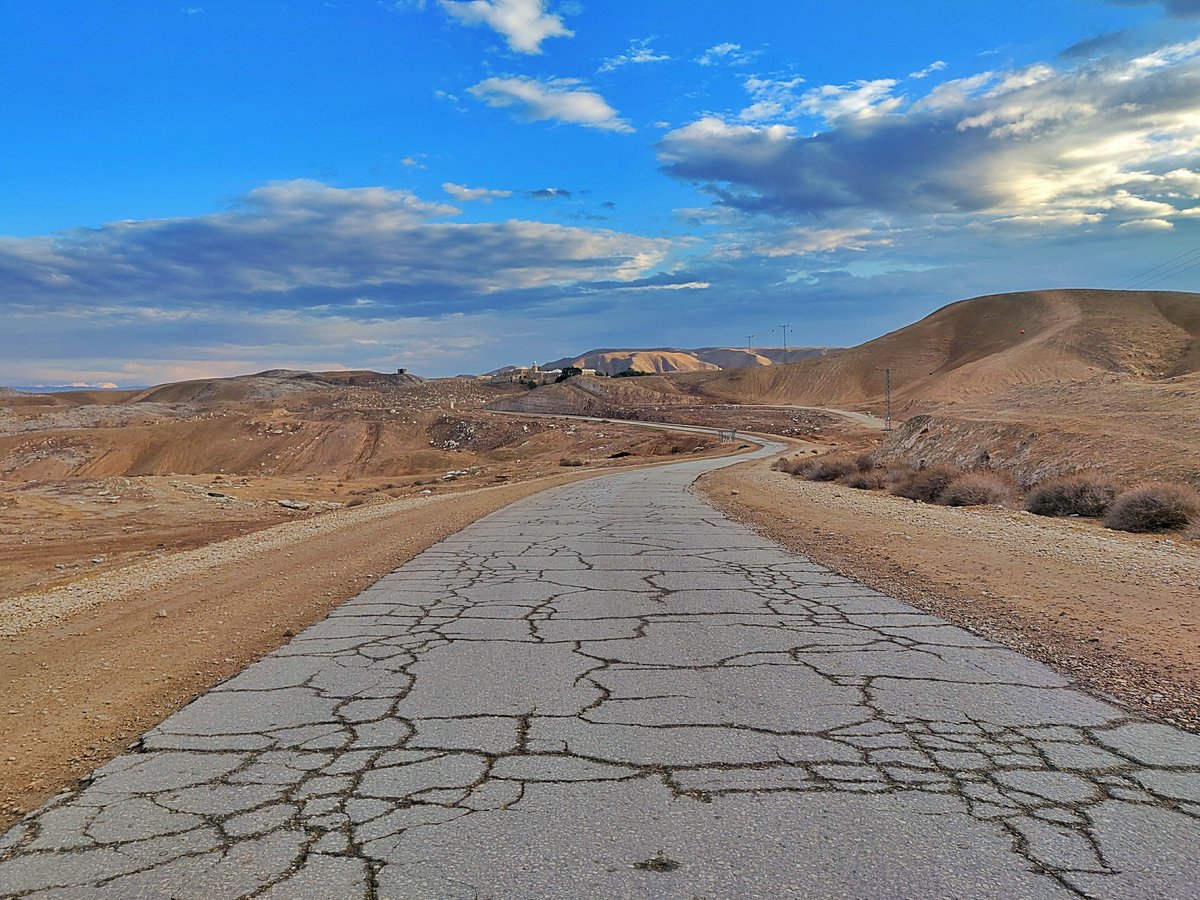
(887, 393)
(784, 329)
(749, 338)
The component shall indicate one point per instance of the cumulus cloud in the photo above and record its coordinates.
(464, 194)
(556, 99)
(524, 23)
(1111, 141)
(782, 99)
(302, 243)
(639, 52)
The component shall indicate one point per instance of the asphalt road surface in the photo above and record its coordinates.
(610, 690)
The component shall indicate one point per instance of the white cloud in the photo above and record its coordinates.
(1098, 143)
(936, 66)
(524, 23)
(327, 245)
(860, 100)
(558, 99)
(774, 98)
(639, 52)
(726, 54)
(463, 194)
(1148, 224)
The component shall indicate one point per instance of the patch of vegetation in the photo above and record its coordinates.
(926, 484)
(570, 461)
(632, 373)
(873, 480)
(978, 489)
(1084, 495)
(1154, 507)
(831, 467)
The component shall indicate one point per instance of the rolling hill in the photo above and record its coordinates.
(987, 345)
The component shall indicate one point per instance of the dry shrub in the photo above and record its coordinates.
(799, 466)
(1074, 495)
(898, 474)
(832, 467)
(926, 484)
(569, 461)
(865, 462)
(866, 481)
(1154, 506)
(977, 489)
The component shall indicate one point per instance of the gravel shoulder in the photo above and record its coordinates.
(1118, 612)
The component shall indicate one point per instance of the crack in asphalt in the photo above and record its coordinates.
(608, 689)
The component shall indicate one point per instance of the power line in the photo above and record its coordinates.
(1133, 280)
(1169, 275)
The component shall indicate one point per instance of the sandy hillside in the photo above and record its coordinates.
(985, 345)
(666, 360)
(1040, 383)
(658, 399)
(94, 481)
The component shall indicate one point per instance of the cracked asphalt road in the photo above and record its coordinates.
(610, 690)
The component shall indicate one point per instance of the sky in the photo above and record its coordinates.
(216, 187)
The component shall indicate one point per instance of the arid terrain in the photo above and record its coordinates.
(285, 493)
(668, 360)
(155, 542)
(1039, 383)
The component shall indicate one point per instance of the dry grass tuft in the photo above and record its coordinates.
(978, 489)
(1075, 495)
(832, 467)
(1154, 506)
(568, 461)
(865, 462)
(926, 484)
(873, 480)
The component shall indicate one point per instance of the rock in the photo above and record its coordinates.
(735, 493)
(293, 504)
(161, 614)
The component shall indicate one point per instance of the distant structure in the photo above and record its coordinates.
(533, 373)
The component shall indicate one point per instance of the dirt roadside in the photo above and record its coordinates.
(137, 647)
(1118, 612)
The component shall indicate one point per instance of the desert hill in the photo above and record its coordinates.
(666, 360)
(986, 345)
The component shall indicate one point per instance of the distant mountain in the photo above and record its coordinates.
(664, 360)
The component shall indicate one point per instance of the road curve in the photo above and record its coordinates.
(611, 690)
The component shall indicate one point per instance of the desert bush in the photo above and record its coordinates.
(977, 489)
(1074, 495)
(832, 467)
(926, 484)
(865, 462)
(872, 480)
(1154, 506)
(799, 466)
(570, 461)
(896, 474)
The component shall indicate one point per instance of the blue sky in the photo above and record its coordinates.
(215, 187)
